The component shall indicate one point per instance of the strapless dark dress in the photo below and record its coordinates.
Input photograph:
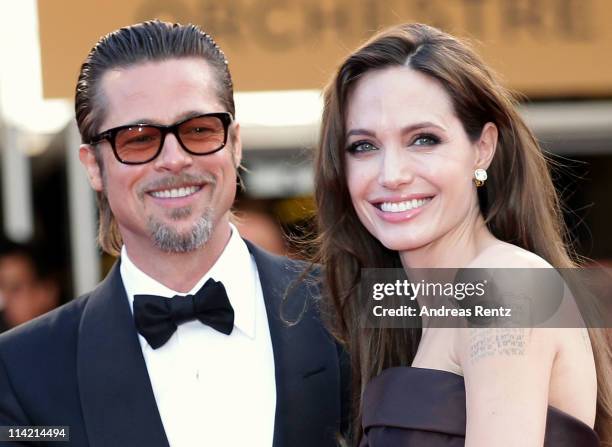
(419, 407)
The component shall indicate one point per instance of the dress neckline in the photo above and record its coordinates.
(459, 377)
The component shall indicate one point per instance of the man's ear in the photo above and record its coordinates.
(486, 145)
(237, 145)
(87, 156)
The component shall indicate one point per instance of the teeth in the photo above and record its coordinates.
(175, 192)
(398, 207)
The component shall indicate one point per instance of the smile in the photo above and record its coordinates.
(399, 207)
(175, 192)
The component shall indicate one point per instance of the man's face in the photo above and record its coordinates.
(177, 201)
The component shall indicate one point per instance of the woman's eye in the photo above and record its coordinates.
(426, 140)
(360, 147)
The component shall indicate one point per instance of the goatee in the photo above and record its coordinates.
(169, 239)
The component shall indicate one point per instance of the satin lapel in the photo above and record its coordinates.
(116, 395)
(273, 297)
(303, 357)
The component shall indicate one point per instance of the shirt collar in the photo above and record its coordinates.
(235, 269)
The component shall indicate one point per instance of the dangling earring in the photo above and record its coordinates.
(480, 175)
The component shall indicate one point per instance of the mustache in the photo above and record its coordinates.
(176, 181)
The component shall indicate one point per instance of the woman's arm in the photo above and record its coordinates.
(507, 376)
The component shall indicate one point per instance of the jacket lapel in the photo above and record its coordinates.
(305, 359)
(116, 395)
(273, 298)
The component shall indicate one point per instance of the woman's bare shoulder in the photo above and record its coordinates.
(501, 254)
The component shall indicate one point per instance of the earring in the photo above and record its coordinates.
(480, 176)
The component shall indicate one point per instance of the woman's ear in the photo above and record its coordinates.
(486, 145)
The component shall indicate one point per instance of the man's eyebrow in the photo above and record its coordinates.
(181, 117)
(404, 130)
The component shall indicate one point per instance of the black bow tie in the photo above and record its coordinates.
(157, 317)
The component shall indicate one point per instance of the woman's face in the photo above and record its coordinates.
(409, 161)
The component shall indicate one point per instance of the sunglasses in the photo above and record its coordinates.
(135, 144)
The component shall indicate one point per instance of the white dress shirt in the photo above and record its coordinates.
(213, 389)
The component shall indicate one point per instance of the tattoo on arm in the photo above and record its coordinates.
(499, 341)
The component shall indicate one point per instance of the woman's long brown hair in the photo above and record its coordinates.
(520, 205)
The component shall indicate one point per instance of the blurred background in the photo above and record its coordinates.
(554, 53)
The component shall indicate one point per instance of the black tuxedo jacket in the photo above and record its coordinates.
(81, 365)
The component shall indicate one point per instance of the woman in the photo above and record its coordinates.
(424, 162)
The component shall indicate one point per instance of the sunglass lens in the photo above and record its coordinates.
(203, 135)
(137, 144)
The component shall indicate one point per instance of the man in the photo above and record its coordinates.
(136, 362)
